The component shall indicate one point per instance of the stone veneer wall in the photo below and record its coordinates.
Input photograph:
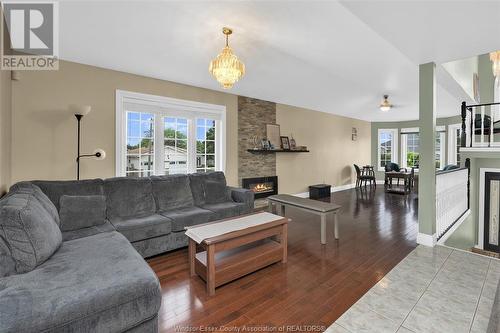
(253, 115)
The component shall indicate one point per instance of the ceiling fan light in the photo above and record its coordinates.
(385, 105)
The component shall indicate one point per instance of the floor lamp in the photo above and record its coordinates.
(80, 111)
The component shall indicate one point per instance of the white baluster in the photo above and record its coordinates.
(482, 125)
(492, 121)
(451, 199)
(473, 129)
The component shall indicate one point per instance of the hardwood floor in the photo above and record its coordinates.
(318, 284)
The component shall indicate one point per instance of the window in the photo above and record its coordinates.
(175, 135)
(454, 142)
(193, 136)
(387, 147)
(140, 140)
(440, 142)
(410, 143)
(205, 145)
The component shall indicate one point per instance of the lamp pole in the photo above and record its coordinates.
(78, 118)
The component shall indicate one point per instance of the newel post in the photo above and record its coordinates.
(467, 165)
(463, 139)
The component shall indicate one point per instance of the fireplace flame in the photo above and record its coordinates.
(262, 188)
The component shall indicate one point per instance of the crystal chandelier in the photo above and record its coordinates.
(227, 68)
(495, 58)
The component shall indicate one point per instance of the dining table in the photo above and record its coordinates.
(405, 175)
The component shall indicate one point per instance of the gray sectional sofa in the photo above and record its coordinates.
(71, 252)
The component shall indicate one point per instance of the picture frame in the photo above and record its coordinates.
(285, 143)
(273, 135)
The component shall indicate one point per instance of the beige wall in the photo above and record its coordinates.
(44, 132)
(332, 152)
(5, 130)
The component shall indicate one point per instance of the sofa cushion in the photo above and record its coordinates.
(172, 192)
(129, 197)
(29, 187)
(86, 232)
(154, 246)
(226, 209)
(198, 181)
(82, 211)
(216, 192)
(93, 284)
(188, 216)
(55, 189)
(28, 230)
(139, 228)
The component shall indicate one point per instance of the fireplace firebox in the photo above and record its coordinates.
(261, 186)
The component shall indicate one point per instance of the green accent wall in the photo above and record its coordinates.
(466, 236)
(406, 124)
(486, 80)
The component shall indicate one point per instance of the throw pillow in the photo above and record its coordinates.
(82, 211)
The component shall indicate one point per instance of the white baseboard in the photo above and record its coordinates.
(452, 229)
(426, 240)
(333, 190)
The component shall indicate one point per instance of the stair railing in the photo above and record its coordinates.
(472, 125)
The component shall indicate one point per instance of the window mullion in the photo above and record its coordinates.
(217, 151)
(159, 158)
(404, 150)
(191, 145)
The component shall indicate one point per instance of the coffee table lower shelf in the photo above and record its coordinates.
(229, 255)
(235, 263)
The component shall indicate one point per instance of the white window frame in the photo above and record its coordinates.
(452, 142)
(404, 146)
(394, 146)
(161, 107)
(441, 130)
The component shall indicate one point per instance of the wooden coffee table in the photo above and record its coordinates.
(222, 251)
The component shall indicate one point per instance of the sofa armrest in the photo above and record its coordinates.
(241, 195)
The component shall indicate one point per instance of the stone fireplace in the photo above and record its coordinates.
(253, 115)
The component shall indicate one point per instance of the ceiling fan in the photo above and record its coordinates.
(385, 106)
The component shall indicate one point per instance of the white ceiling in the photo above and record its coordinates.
(330, 56)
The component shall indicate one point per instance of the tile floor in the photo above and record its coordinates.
(432, 290)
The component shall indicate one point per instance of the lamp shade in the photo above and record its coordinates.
(81, 110)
